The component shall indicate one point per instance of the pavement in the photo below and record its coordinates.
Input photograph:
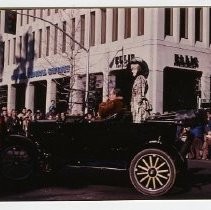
(104, 186)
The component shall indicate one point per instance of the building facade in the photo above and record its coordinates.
(41, 63)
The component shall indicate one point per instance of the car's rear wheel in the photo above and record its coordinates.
(17, 162)
(152, 172)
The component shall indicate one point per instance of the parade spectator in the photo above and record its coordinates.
(38, 115)
(206, 145)
(5, 115)
(208, 125)
(13, 123)
(52, 108)
(63, 116)
(198, 139)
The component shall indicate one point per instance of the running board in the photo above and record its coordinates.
(96, 167)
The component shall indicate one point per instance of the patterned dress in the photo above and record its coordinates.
(139, 103)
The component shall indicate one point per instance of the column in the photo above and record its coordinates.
(206, 26)
(109, 24)
(29, 100)
(176, 24)
(191, 26)
(50, 93)
(98, 26)
(76, 96)
(11, 97)
(121, 23)
(134, 22)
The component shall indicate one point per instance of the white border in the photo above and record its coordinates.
(100, 3)
(107, 205)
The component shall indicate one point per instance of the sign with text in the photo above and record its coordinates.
(40, 73)
(186, 61)
(121, 61)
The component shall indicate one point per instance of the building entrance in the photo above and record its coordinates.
(180, 89)
(20, 96)
(124, 81)
(40, 89)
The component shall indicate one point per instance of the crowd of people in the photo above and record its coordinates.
(201, 144)
(13, 122)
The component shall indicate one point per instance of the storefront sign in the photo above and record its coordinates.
(41, 73)
(186, 61)
(121, 61)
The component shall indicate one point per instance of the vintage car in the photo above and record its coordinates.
(151, 152)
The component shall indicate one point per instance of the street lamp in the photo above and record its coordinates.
(87, 50)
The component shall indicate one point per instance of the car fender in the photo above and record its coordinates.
(171, 150)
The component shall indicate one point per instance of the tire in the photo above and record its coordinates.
(17, 162)
(152, 172)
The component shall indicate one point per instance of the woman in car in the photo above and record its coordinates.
(140, 105)
(113, 105)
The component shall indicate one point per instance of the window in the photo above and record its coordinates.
(169, 22)
(21, 18)
(27, 17)
(198, 24)
(34, 15)
(64, 37)
(14, 50)
(40, 43)
(56, 10)
(184, 23)
(33, 45)
(41, 13)
(55, 38)
(127, 22)
(20, 47)
(47, 40)
(140, 21)
(92, 30)
(82, 30)
(26, 44)
(210, 29)
(73, 33)
(103, 26)
(48, 12)
(115, 25)
(8, 54)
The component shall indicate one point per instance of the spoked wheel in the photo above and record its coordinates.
(17, 162)
(152, 172)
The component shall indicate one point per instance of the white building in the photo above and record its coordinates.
(174, 42)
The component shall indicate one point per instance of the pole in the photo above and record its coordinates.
(87, 84)
(81, 46)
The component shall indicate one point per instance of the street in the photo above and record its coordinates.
(98, 186)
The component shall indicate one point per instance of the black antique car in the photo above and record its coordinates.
(150, 152)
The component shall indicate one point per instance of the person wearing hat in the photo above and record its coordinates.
(139, 103)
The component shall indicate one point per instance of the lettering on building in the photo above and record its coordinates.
(186, 61)
(121, 61)
(41, 73)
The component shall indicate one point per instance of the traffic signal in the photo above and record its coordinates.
(10, 22)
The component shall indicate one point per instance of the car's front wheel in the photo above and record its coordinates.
(152, 172)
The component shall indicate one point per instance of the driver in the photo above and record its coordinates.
(113, 105)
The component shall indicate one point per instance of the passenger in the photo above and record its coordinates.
(113, 105)
(140, 105)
